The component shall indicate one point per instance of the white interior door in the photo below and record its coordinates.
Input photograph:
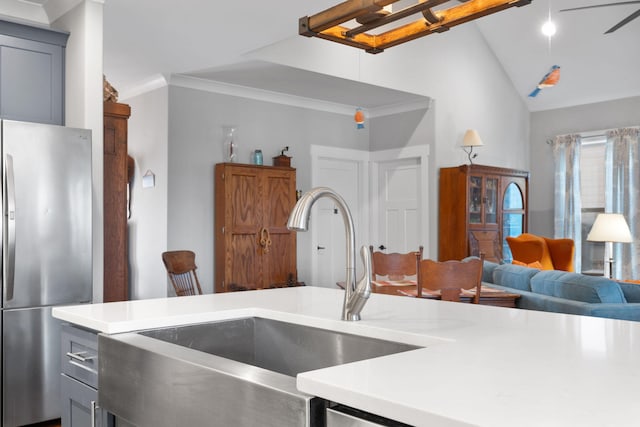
(399, 199)
(399, 206)
(343, 172)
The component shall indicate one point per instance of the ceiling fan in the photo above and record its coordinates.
(625, 21)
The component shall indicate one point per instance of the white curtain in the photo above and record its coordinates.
(568, 204)
(622, 195)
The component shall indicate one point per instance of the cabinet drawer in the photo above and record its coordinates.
(80, 355)
(78, 405)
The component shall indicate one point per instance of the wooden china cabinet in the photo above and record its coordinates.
(253, 247)
(479, 206)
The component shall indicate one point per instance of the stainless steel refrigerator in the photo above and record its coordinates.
(46, 259)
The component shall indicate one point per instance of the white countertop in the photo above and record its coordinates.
(485, 366)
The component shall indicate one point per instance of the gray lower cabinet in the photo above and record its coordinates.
(32, 72)
(79, 382)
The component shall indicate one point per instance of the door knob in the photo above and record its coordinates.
(320, 247)
(382, 247)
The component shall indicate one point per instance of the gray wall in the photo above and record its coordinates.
(195, 145)
(147, 139)
(546, 125)
(177, 133)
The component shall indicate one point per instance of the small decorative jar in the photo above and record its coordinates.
(257, 157)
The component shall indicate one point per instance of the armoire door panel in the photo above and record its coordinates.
(245, 200)
(280, 261)
(278, 200)
(243, 265)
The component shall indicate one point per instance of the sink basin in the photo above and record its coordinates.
(277, 346)
(238, 372)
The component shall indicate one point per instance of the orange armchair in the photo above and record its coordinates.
(552, 254)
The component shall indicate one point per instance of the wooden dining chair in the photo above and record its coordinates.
(451, 278)
(394, 266)
(181, 268)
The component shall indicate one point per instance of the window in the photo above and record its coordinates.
(592, 183)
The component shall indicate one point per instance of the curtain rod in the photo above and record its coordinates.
(592, 133)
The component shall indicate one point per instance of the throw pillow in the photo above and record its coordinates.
(535, 264)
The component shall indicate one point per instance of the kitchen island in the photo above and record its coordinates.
(480, 365)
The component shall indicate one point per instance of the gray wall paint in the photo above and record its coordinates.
(401, 130)
(546, 125)
(147, 144)
(195, 146)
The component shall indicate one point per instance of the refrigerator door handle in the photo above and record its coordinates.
(10, 260)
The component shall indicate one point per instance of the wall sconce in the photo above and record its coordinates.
(471, 139)
(609, 228)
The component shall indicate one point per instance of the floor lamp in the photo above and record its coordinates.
(609, 228)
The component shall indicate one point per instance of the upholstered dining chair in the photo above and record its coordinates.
(181, 268)
(451, 278)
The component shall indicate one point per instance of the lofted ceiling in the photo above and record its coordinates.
(144, 39)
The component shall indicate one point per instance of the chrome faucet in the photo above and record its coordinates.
(356, 295)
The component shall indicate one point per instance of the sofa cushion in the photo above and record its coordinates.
(514, 276)
(631, 291)
(487, 271)
(577, 287)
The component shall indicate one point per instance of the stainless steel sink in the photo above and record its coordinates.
(239, 372)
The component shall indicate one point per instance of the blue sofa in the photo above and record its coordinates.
(563, 292)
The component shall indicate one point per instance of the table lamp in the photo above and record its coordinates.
(609, 228)
(471, 139)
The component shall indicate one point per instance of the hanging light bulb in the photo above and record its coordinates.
(548, 28)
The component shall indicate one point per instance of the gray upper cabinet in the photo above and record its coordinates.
(32, 73)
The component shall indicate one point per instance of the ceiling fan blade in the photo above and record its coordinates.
(601, 5)
(625, 21)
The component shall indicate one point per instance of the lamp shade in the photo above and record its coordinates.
(471, 139)
(610, 227)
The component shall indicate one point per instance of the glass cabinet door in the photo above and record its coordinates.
(483, 200)
(512, 217)
(491, 201)
(475, 200)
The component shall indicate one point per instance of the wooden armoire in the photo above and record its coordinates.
(479, 206)
(253, 247)
(116, 179)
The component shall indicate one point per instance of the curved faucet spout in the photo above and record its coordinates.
(299, 221)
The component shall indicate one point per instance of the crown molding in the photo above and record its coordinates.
(260, 94)
(154, 82)
(190, 82)
(388, 110)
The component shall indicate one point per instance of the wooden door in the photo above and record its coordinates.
(243, 269)
(279, 252)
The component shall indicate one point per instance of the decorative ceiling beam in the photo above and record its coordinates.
(326, 24)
